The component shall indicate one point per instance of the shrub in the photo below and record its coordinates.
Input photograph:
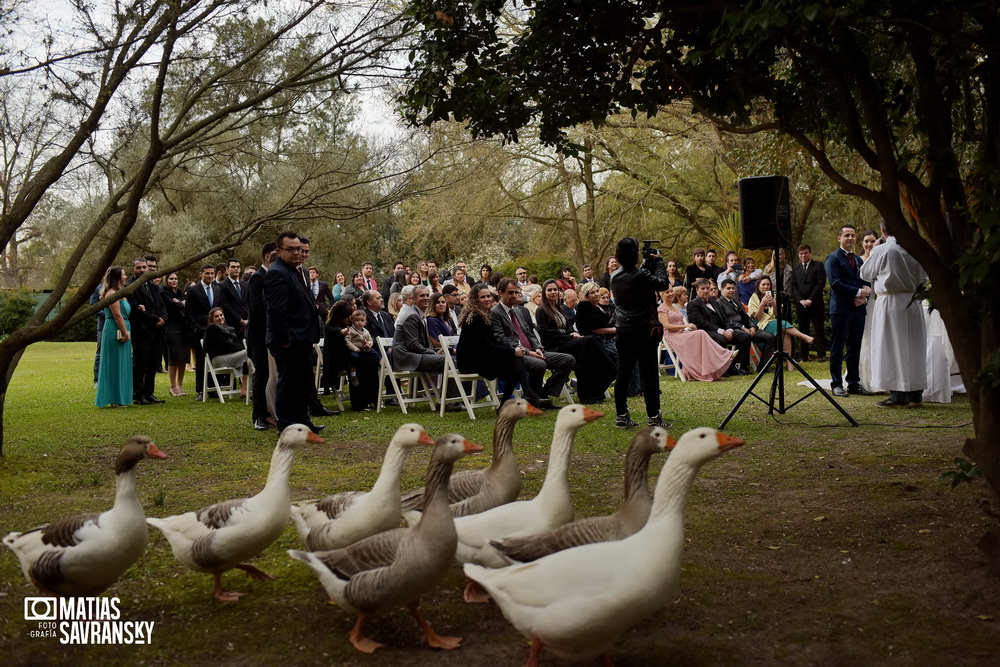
(543, 266)
(16, 308)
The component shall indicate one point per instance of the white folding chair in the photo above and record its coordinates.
(420, 387)
(452, 374)
(232, 385)
(674, 362)
(318, 370)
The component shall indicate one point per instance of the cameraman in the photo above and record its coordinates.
(638, 328)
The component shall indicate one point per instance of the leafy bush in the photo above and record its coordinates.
(16, 308)
(544, 266)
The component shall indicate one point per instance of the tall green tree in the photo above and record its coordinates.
(910, 90)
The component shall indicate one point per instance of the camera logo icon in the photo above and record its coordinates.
(40, 609)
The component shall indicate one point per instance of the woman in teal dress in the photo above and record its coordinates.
(761, 308)
(114, 377)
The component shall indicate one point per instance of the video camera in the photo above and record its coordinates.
(648, 251)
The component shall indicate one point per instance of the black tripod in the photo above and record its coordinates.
(779, 356)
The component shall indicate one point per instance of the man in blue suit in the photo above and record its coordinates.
(848, 298)
(292, 330)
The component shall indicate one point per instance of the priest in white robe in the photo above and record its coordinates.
(899, 336)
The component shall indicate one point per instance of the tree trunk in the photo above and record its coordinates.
(9, 358)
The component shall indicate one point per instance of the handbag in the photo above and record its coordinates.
(120, 335)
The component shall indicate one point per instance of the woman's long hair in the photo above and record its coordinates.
(430, 312)
(212, 312)
(113, 279)
(554, 313)
(472, 309)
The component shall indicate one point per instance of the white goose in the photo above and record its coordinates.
(219, 537)
(552, 506)
(474, 491)
(396, 567)
(629, 518)
(345, 518)
(85, 554)
(578, 602)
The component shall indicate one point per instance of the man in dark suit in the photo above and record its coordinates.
(292, 330)
(257, 339)
(848, 300)
(198, 300)
(379, 323)
(145, 319)
(708, 315)
(158, 341)
(321, 293)
(737, 319)
(512, 326)
(451, 294)
(808, 280)
(411, 344)
(389, 280)
(232, 299)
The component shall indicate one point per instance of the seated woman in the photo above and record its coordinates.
(438, 322)
(595, 370)
(533, 294)
(746, 283)
(479, 352)
(761, 308)
(339, 284)
(225, 348)
(700, 356)
(395, 303)
(566, 280)
(360, 361)
(605, 302)
(592, 320)
(434, 281)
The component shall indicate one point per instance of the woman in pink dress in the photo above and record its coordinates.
(700, 356)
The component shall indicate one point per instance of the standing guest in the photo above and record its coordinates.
(899, 335)
(761, 308)
(357, 286)
(746, 283)
(438, 322)
(848, 301)
(480, 352)
(434, 281)
(637, 330)
(321, 293)
(368, 277)
(232, 300)
(114, 377)
(566, 280)
(595, 370)
(316, 408)
(731, 270)
(697, 269)
(292, 330)
(786, 281)
(393, 277)
(868, 242)
(674, 274)
(158, 349)
(701, 357)
(95, 296)
(485, 273)
(198, 300)
(265, 376)
(611, 267)
(338, 287)
(411, 345)
(808, 281)
(588, 274)
(713, 270)
(225, 348)
(146, 320)
(176, 335)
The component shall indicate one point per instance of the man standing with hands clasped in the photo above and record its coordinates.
(848, 298)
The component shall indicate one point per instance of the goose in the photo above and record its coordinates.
(552, 507)
(627, 520)
(345, 518)
(86, 553)
(221, 536)
(577, 602)
(474, 491)
(396, 567)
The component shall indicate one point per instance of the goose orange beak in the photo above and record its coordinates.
(472, 448)
(590, 415)
(312, 437)
(532, 411)
(727, 442)
(425, 439)
(154, 452)
(671, 442)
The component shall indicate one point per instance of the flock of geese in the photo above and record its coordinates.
(572, 587)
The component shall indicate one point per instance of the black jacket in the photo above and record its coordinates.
(635, 295)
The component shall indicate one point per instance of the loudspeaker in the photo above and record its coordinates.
(765, 219)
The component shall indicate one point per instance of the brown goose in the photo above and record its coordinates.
(221, 536)
(474, 491)
(85, 554)
(627, 520)
(398, 566)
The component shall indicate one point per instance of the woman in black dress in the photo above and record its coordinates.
(225, 348)
(177, 334)
(595, 370)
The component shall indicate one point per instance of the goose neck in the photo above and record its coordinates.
(672, 489)
(503, 438)
(281, 464)
(392, 466)
(436, 490)
(557, 474)
(636, 473)
(125, 488)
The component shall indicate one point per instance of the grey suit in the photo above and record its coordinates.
(411, 347)
(560, 364)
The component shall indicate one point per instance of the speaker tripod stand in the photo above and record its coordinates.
(778, 383)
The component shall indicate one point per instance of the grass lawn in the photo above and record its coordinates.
(815, 543)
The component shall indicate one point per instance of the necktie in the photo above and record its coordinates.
(315, 289)
(525, 343)
(208, 292)
(850, 258)
(236, 286)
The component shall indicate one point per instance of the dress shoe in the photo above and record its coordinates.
(840, 392)
(542, 403)
(316, 428)
(325, 412)
(891, 403)
(200, 397)
(154, 399)
(821, 360)
(858, 390)
(260, 425)
(141, 401)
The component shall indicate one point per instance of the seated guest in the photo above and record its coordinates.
(434, 281)
(566, 280)
(592, 320)
(348, 349)
(225, 348)
(378, 322)
(533, 292)
(746, 283)
(706, 313)
(411, 345)
(453, 310)
(394, 305)
(438, 321)
(595, 370)
(762, 309)
(398, 281)
(480, 352)
(737, 319)
(702, 358)
(459, 281)
(570, 301)
(485, 273)
(605, 302)
(731, 270)
(357, 286)
(512, 326)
